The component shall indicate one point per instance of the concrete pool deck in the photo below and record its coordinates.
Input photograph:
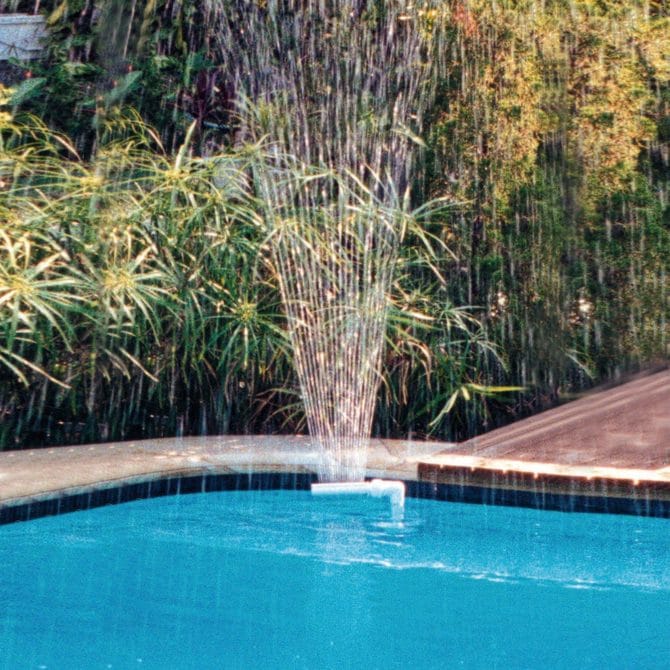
(610, 451)
(41, 474)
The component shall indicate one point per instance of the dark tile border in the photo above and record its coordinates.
(179, 485)
(154, 488)
(640, 505)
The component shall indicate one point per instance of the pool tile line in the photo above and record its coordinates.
(545, 500)
(64, 502)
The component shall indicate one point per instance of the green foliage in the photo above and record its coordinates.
(120, 267)
(551, 126)
(138, 297)
(153, 56)
(129, 289)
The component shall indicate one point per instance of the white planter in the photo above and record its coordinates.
(22, 36)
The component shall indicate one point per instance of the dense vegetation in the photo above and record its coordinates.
(135, 299)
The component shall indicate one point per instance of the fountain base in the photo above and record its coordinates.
(394, 490)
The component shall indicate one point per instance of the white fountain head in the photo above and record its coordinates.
(392, 489)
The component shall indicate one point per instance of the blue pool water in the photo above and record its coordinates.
(278, 579)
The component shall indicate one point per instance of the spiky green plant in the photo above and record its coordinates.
(139, 298)
(131, 283)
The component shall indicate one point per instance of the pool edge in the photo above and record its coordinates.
(44, 482)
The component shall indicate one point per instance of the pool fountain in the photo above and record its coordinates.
(377, 488)
(233, 577)
(335, 93)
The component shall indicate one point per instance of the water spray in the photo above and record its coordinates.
(335, 93)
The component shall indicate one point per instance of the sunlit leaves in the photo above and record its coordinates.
(115, 273)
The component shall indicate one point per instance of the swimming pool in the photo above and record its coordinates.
(279, 579)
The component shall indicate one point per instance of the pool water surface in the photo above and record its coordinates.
(279, 579)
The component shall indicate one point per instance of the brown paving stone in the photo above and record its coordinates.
(620, 436)
(627, 426)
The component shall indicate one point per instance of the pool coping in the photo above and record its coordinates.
(44, 482)
(36, 476)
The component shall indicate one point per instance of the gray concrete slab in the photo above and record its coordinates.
(41, 474)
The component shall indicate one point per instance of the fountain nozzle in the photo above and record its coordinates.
(394, 490)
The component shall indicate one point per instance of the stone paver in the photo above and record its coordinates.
(614, 442)
(44, 473)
